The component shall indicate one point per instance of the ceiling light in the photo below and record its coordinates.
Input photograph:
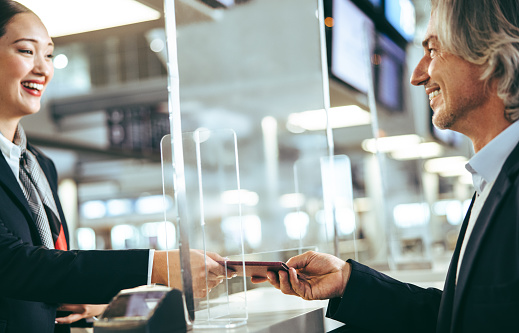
(65, 17)
(447, 166)
(60, 61)
(419, 151)
(292, 200)
(391, 143)
(315, 120)
(157, 45)
(411, 214)
(296, 224)
(455, 172)
(235, 197)
(93, 209)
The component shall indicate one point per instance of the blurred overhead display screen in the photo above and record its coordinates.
(389, 73)
(352, 32)
(401, 15)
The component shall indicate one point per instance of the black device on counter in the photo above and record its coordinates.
(144, 309)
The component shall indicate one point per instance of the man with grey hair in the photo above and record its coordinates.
(470, 71)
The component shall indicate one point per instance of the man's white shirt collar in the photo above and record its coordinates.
(487, 163)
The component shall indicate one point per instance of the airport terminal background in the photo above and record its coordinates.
(255, 67)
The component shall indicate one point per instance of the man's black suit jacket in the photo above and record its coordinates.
(486, 297)
(34, 280)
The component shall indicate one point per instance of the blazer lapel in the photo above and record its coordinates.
(485, 218)
(9, 182)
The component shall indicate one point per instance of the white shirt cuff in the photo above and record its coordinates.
(150, 265)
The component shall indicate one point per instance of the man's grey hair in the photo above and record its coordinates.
(484, 32)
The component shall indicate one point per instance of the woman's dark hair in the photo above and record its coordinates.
(8, 9)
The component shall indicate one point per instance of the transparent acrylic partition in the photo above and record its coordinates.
(326, 216)
(396, 191)
(214, 219)
(256, 67)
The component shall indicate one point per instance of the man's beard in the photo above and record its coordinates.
(444, 120)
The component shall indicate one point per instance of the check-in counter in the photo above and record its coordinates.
(270, 311)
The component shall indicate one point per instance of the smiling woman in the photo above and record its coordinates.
(25, 69)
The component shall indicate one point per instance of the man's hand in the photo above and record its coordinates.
(323, 276)
(79, 311)
(201, 284)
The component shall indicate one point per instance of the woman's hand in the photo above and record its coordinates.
(202, 283)
(79, 311)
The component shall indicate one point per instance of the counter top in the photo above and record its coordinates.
(270, 311)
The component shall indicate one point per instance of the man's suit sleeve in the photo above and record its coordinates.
(38, 274)
(379, 303)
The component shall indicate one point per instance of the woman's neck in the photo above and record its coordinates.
(8, 128)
